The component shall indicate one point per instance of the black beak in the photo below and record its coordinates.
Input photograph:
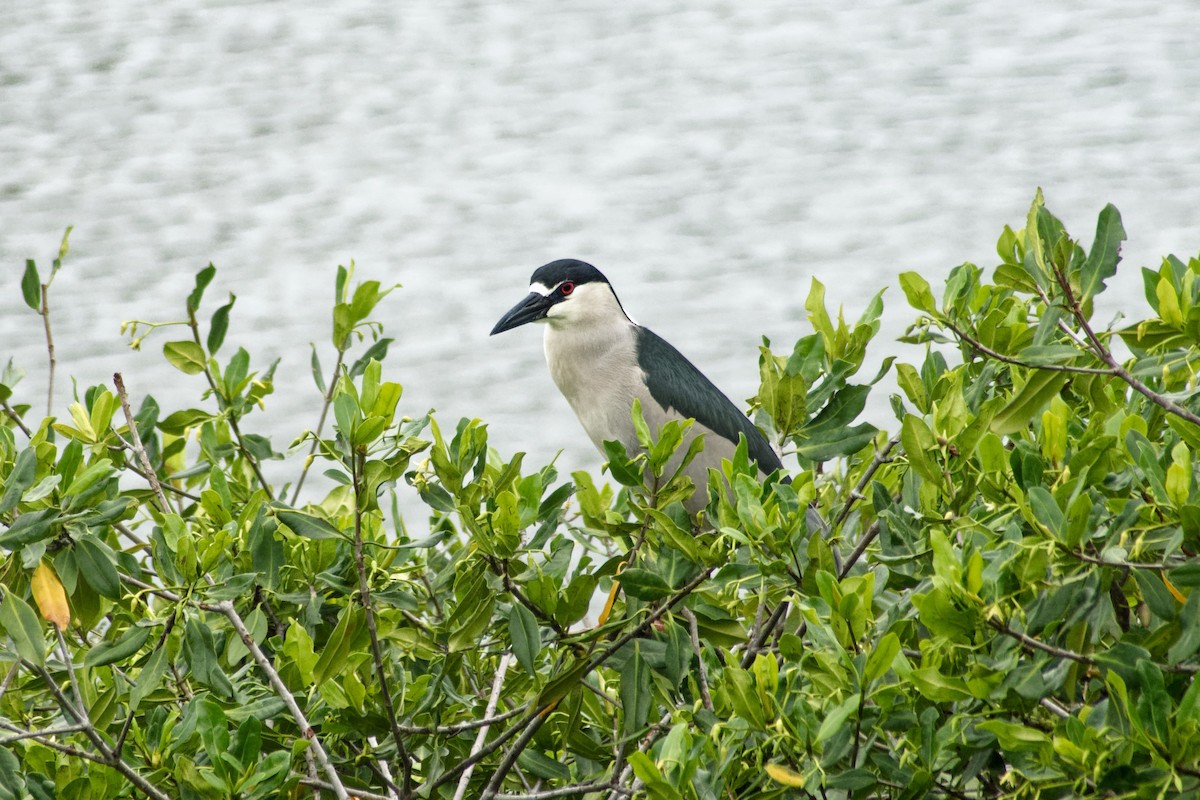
(531, 309)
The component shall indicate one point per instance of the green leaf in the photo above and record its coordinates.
(625, 470)
(1028, 401)
(938, 687)
(21, 624)
(149, 678)
(203, 278)
(1015, 737)
(543, 766)
(919, 443)
(526, 638)
(643, 584)
(826, 444)
(307, 525)
(917, 292)
(179, 421)
(1153, 702)
(1102, 260)
(31, 286)
(98, 567)
(1155, 593)
(21, 478)
(186, 356)
(1046, 510)
(220, 324)
(126, 645)
(32, 526)
(881, 658)
(837, 717)
(635, 692)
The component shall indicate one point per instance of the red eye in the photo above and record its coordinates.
(565, 288)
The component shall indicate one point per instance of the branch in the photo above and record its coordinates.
(15, 417)
(225, 407)
(533, 710)
(328, 400)
(317, 784)
(1036, 644)
(1124, 564)
(511, 756)
(860, 548)
(764, 632)
(226, 608)
(645, 746)
(364, 592)
(1106, 356)
(460, 727)
(701, 670)
(45, 312)
(497, 682)
(1016, 362)
(138, 448)
(106, 756)
(59, 731)
(567, 791)
(856, 494)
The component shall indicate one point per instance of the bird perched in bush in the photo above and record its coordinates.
(601, 361)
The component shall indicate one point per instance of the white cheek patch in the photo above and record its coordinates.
(542, 289)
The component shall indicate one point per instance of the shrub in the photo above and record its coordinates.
(999, 600)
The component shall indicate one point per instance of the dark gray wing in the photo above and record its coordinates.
(675, 383)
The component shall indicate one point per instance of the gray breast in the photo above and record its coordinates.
(600, 371)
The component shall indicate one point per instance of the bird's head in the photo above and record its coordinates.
(565, 293)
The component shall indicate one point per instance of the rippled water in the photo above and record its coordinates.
(710, 157)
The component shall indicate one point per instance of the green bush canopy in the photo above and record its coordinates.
(999, 597)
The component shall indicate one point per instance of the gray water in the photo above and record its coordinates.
(710, 157)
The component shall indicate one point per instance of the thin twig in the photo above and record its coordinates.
(1054, 707)
(1126, 564)
(12, 673)
(45, 312)
(533, 710)
(494, 698)
(306, 730)
(138, 448)
(162, 642)
(1037, 644)
(15, 417)
(856, 494)
(647, 743)
(328, 400)
(1016, 362)
(701, 670)
(231, 416)
(29, 734)
(317, 784)
(860, 548)
(754, 645)
(511, 756)
(1105, 355)
(460, 727)
(364, 592)
(384, 770)
(566, 791)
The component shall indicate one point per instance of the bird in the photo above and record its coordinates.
(601, 361)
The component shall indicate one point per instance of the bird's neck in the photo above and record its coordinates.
(584, 359)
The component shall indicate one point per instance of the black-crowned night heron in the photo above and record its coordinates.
(602, 361)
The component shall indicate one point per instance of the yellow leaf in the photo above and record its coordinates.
(786, 776)
(49, 595)
(1171, 588)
